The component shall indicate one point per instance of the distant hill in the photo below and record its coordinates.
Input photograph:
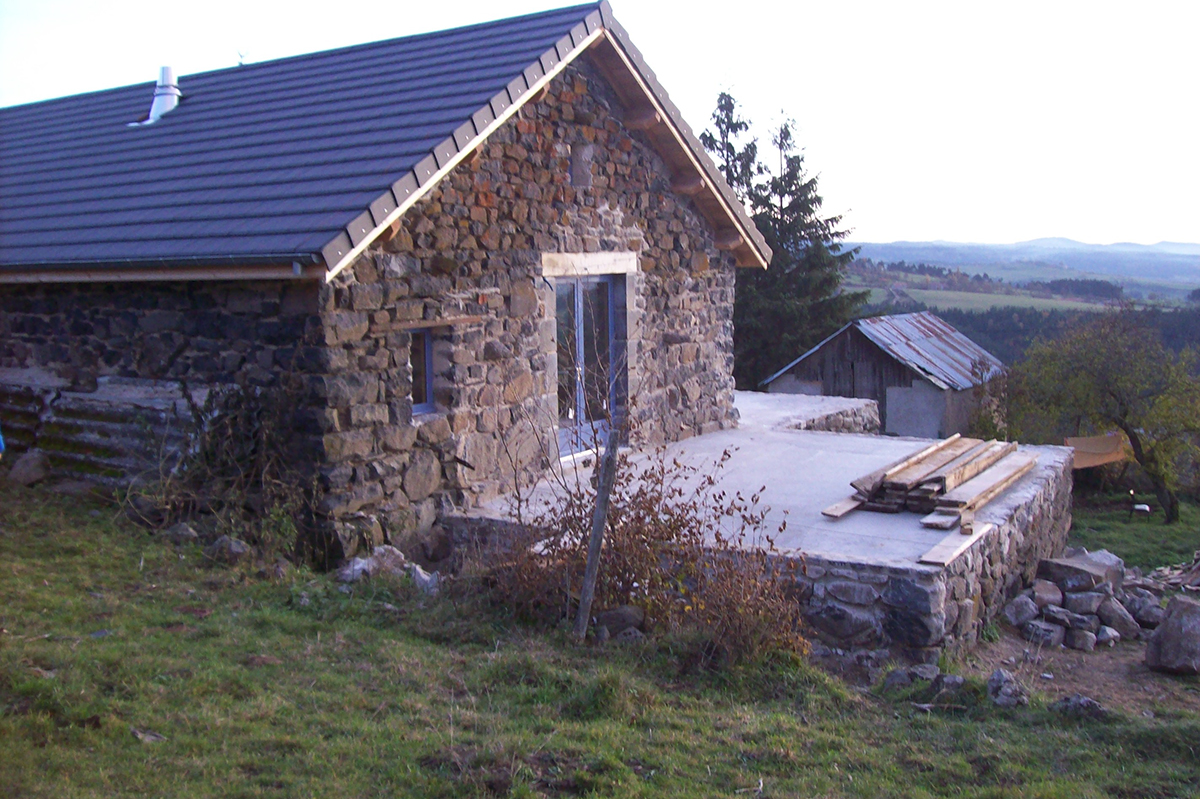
(1171, 262)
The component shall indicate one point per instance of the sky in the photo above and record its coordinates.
(965, 121)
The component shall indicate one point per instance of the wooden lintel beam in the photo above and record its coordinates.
(689, 183)
(642, 119)
(728, 240)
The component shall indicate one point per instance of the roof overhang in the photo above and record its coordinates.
(268, 267)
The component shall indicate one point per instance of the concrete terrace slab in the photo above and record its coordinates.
(800, 472)
(862, 586)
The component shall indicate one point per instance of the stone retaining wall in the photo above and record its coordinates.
(925, 609)
(863, 418)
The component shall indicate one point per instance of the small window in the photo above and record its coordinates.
(420, 357)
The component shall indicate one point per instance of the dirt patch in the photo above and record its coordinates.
(1116, 677)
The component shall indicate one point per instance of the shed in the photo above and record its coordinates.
(920, 369)
(468, 249)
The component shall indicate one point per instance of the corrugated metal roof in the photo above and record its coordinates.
(932, 347)
(925, 343)
(289, 160)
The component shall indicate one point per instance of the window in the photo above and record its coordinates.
(420, 358)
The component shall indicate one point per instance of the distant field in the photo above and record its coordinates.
(969, 301)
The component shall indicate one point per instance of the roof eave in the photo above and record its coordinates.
(274, 266)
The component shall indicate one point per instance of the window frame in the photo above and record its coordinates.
(430, 405)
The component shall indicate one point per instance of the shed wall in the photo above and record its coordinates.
(848, 365)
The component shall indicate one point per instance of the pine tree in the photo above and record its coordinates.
(781, 312)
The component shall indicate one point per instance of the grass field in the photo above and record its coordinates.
(970, 301)
(243, 686)
(1103, 522)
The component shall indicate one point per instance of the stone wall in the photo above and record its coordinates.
(922, 610)
(201, 332)
(562, 176)
(94, 374)
(860, 418)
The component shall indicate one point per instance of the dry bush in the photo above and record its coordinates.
(696, 559)
(240, 472)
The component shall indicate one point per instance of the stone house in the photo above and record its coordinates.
(471, 250)
(920, 369)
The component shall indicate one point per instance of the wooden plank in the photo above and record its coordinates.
(944, 553)
(868, 484)
(978, 491)
(910, 477)
(882, 507)
(957, 472)
(941, 520)
(839, 509)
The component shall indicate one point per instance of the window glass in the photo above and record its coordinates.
(421, 358)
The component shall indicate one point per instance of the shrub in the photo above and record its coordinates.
(241, 469)
(692, 556)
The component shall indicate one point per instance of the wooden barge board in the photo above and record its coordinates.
(868, 484)
(980, 490)
(953, 545)
(941, 519)
(840, 509)
(959, 471)
(913, 475)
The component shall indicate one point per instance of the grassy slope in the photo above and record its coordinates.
(1104, 523)
(442, 700)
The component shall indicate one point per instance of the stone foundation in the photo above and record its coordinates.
(925, 609)
(863, 418)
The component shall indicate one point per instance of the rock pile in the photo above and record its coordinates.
(1080, 601)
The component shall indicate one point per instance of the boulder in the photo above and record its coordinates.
(181, 533)
(1107, 635)
(621, 618)
(1175, 645)
(1150, 617)
(1043, 633)
(426, 583)
(1113, 614)
(925, 672)
(1083, 640)
(30, 468)
(630, 635)
(1145, 609)
(1085, 602)
(948, 684)
(1074, 621)
(1046, 593)
(384, 559)
(896, 679)
(1079, 706)
(1083, 571)
(1005, 691)
(227, 550)
(1021, 610)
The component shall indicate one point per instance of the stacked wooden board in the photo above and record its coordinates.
(947, 481)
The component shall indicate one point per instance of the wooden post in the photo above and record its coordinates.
(608, 474)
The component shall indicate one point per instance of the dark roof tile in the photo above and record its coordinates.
(296, 159)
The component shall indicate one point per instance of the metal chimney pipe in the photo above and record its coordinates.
(166, 97)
